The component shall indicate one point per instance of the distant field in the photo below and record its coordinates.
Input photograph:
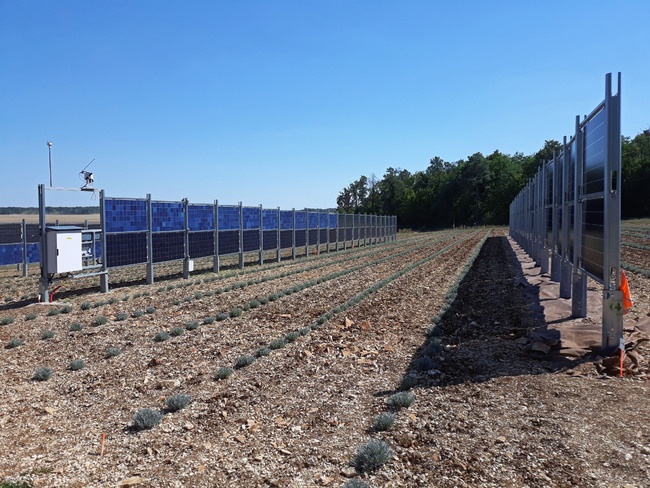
(62, 218)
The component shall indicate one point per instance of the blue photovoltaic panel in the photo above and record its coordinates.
(356, 233)
(593, 237)
(269, 219)
(228, 242)
(349, 220)
(342, 233)
(323, 217)
(333, 235)
(332, 219)
(168, 246)
(200, 217)
(348, 234)
(228, 218)
(548, 203)
(251, 240)
(33, 253)
(201, 244)
(313, 220)
(125, 215)
(167, 216)
(301, 220)
(270, 239)
(323, 235)
(11, 254)
(11, 233)
(594, 154)
(251, 218)
(313, 236)
(126, 248)
(286, 239)
(286, 219)
(301, 238)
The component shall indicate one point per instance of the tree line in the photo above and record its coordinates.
(53, 210)
(479, 189)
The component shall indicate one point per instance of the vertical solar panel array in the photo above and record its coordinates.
(126, 229)
(571, 209)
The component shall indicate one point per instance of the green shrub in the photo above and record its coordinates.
(176, 302)
(292, 336)
(177, 331)
(137, 313)
(14, 343)
(423, 364)
(170, 287)
(277, 343)
(125, 298)
(223, 373)
(111, 352)
(321, 320)
(263, 300)
(254, 303)
(160, 289)
(111, 301)
(146, 418)
(42, 374)
(383, 421)
(209, 320)
(177, 402)
(67, 309)
(208, 293)
(274, 296)
(101, 320)
(7, 320)
(150, 309)
(263, 351)
(21, 483)
(371, 456)
(223, 316)
(304, 331)
(401, 399)
(85, 306)
(243, 361)
(146, 294)
(47, 334)
(76, 365)
(198, 295)
(235, 312)
(246, 307)
(75, 327)
(408, 382)
(53, 312)
(192, 324)
(29, 316)
(161, 336)
(121, 316)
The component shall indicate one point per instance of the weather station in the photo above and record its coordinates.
(69, 251)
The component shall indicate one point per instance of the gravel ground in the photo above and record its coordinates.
(485, 413)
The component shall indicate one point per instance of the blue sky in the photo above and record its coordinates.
(285, 102)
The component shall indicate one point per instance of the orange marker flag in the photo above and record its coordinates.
(625, 288)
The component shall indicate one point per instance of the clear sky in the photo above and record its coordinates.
(285, 102)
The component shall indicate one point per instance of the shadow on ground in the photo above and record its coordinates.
(486, 332)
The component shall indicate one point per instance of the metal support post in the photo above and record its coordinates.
(25, 263)
(241, 237)
(579, 279)
(565, 271)
(150, 278)
(261, 240)
(293, 235)
(215, 260)
(103, 278)
(279, 256)
(612, 297)
(44, 280)
(317, 232)
(187, 262)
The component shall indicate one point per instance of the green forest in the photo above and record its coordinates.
(478, 190)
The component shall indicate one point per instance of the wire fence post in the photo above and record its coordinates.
(103, 277)
(261, 243)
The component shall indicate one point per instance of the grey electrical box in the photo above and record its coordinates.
(63, 249)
